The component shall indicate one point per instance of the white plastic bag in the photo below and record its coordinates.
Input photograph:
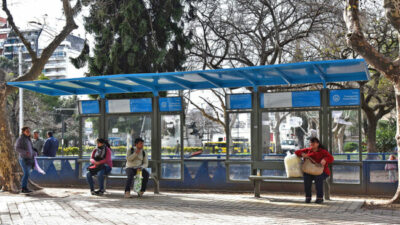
(137, 181)
(293, 165)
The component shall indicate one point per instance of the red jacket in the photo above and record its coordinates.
(317, 156)
(107, 160)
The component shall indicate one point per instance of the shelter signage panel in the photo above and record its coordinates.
(344, 97)
(89, 107)
(239, 101)
(291, 99)
(136, 105)
(170, 104)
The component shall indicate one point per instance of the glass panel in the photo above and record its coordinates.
(287, 131)
(239, 172)
(123, 130)
(171, 170)
(90, 132)
(240, 131)
(345, 135)
(383, 172)
(274, 173)
(203, 138)
(346, 174)
(170, 136)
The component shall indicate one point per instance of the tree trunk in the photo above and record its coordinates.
(9, 168)
(396, 197)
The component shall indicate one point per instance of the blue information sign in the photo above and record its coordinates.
(306, 99)
(239, 101)
(141, 105)
(170, 104)
(344, 97)
(90, 107)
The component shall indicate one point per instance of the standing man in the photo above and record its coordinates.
(24, 147)
(37, 142)
(136, 160)
(50, 146)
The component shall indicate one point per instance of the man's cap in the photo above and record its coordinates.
(36, 131)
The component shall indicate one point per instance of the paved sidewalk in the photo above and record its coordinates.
(77, 206)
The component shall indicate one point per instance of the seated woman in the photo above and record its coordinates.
(101, 165)
(319, 155)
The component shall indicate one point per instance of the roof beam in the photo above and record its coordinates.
(118, 85)
(211, 80)
(38, 89)
(321, 75)
(142, 82)
(283, 76)
(183, 83)
(248, 78)
(92, 87)
(68, 90)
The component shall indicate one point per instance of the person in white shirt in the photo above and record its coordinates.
(136, 160)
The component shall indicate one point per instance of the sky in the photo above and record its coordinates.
(48, 12)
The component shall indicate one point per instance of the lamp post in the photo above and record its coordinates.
(21, 91)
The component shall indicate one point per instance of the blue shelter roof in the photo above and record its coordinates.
(282, 74)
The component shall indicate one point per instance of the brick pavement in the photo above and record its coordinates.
(77, 206)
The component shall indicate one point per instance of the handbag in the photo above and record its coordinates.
(311, 167)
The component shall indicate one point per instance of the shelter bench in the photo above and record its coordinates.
(120, 163)
(277, 165)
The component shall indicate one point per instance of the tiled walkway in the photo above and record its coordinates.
(77, 206)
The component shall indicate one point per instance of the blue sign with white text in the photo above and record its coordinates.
(141, 105)
(344, 97)
(306, 99)
(239, 101)
(90, 107)
(170, 104)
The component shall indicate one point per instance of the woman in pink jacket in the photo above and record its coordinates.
(101, 164)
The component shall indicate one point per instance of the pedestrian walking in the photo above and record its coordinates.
(50, 146)
(24, 147)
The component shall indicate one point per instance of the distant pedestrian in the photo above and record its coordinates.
(101, 164)
(50, 146)
(136, 160)
(24, 147)
(392, 169)
(37, 142)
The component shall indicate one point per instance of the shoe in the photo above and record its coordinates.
(308, 200)
(140, 194)
(93, 192)
(99, 192)
(127, 194)
(26, 190)
(319, 200)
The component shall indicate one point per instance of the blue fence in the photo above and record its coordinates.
(210, 173)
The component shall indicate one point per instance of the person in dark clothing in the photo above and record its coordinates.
(319, 155)
(24, 147)
(50, 146)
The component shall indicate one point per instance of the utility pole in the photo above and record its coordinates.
(21, 92)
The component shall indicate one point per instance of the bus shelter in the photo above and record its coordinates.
(160, 120)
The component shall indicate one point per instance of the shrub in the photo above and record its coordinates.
(350, 146)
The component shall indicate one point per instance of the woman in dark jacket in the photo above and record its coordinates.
(319, 155)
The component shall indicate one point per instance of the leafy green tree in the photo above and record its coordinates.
(386, 135)
(136, 36)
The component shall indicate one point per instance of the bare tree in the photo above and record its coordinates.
(9, 167)
(388, 67)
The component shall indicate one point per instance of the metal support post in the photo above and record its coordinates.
(21, 92)
(156, 144)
